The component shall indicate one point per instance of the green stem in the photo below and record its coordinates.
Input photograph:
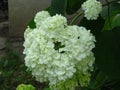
(108, 13)
(76, 17)
(110, 2)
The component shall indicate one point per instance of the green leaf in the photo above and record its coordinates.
(48, 9)
(58, 7)
(74, 5)
(114, 7)
(112, 21)
(107, 53)
(32, 24)
(116, 21)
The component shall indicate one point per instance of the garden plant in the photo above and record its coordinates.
(77, 54)
(70, 45)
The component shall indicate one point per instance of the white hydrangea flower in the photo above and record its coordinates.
(40, 16)
(82, 75)
(56, 21)
(27, 31)
(92, 8)
(55, 52)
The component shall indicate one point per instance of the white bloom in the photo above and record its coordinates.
(55, 22)
(27, 31)
(54, 50)
(40, 16)
(92, 8)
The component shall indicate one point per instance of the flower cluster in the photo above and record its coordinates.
(25, 87)
(58, 53)
(92, 8)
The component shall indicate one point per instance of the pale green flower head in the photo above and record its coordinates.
(54, 51)
(41, 16)
(92, 9)
(25, 87)
(54, 22)
(28, 30)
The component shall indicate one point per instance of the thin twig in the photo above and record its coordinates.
(110, 2)
(76, 17)
(108, 7)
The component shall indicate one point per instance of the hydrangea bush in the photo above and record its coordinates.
(59, 53)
